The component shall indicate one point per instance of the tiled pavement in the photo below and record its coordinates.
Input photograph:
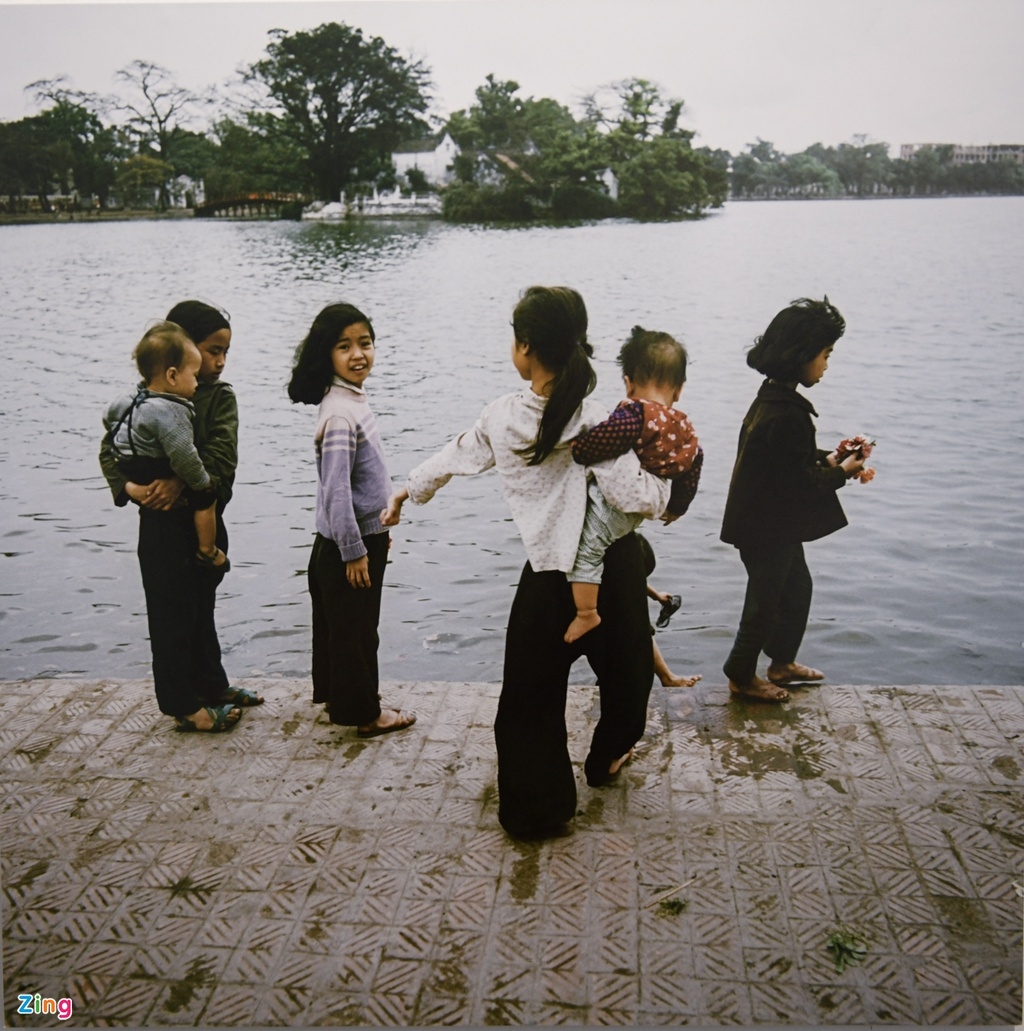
(291, 874)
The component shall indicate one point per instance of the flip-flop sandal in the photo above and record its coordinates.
(219, 714)
(801, 675)
(668, 610)
(241, 697)
(404, 721)
(210, 561)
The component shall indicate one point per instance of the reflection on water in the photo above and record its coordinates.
(924, 586)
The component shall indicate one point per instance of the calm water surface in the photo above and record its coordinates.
(924, 586)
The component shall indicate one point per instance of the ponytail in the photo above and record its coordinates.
(553, 321)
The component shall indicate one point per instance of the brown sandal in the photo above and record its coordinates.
(798, 674)
(403, 720)
(763, 692)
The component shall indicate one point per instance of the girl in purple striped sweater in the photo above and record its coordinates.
(346, 567)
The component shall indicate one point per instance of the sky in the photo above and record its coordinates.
(794, 72)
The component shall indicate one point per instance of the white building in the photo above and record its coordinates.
(432, 155)
(968, 154)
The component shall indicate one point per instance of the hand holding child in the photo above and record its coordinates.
(160, 495)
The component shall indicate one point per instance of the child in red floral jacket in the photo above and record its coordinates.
(654, 369)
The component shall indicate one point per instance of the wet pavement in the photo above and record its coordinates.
(290, 874)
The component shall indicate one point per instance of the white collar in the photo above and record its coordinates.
(339, 382)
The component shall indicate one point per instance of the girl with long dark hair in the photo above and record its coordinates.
(526, 436)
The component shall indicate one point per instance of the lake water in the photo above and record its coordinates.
(924, 586)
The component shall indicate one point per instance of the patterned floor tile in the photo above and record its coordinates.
(304, 906)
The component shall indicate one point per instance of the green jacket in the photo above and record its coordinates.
(216, 434)
(782, 490)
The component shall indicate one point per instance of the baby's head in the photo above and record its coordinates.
(167, 360)
(651, 360)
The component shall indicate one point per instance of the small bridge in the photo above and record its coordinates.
(254, 205)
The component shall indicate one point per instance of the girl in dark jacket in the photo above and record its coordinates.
(783, 492)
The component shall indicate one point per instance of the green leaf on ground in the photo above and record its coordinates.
(671, 907)
(846, 947)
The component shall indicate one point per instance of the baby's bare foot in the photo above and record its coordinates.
(673, 681)
(585, 621)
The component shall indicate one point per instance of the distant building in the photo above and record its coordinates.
(432, 155)
(968, 154)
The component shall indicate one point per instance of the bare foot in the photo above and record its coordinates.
(759, 690)
(585, 621)
(671, 680)
(619, 763)
(793, 673)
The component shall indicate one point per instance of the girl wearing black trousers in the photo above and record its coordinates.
(526, 436)
(783, 493)
(346, 567)
(188, 675)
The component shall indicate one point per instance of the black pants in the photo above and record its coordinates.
(774, 611)
(536, 785)
(345, 640)
(180, 602)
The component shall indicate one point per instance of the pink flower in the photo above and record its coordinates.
(858, 445)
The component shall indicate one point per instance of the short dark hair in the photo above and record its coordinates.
(313, 370)
(796, 336)
(162, 347)
(199, 319)
(650, 356)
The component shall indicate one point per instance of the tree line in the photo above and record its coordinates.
(323, 110)
(863, 168)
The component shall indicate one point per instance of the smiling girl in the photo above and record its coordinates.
(346, 567)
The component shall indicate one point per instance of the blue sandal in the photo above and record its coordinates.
(240, 696)
(219, 715)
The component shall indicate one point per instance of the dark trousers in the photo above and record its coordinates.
(345, 640)
(180, 602)
(536, 785)
(774, 611)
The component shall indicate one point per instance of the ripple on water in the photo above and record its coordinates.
(923, 586)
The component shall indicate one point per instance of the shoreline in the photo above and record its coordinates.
(179, 214)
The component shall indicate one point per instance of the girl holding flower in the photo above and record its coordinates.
(783, 493)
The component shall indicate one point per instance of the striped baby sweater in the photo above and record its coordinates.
(353, 484)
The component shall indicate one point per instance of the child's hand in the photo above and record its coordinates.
(668, 517)
(357, 572)
(392, 515)
(851, 454)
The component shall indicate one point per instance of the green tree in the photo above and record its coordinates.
(345, 100)
(31, 160)
(142, 180)
(864, 166)
(248, 160)
(666, 179)
(807, 175)
(660, 174)
(93, 148)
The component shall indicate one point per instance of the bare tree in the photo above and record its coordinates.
(158, 111)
